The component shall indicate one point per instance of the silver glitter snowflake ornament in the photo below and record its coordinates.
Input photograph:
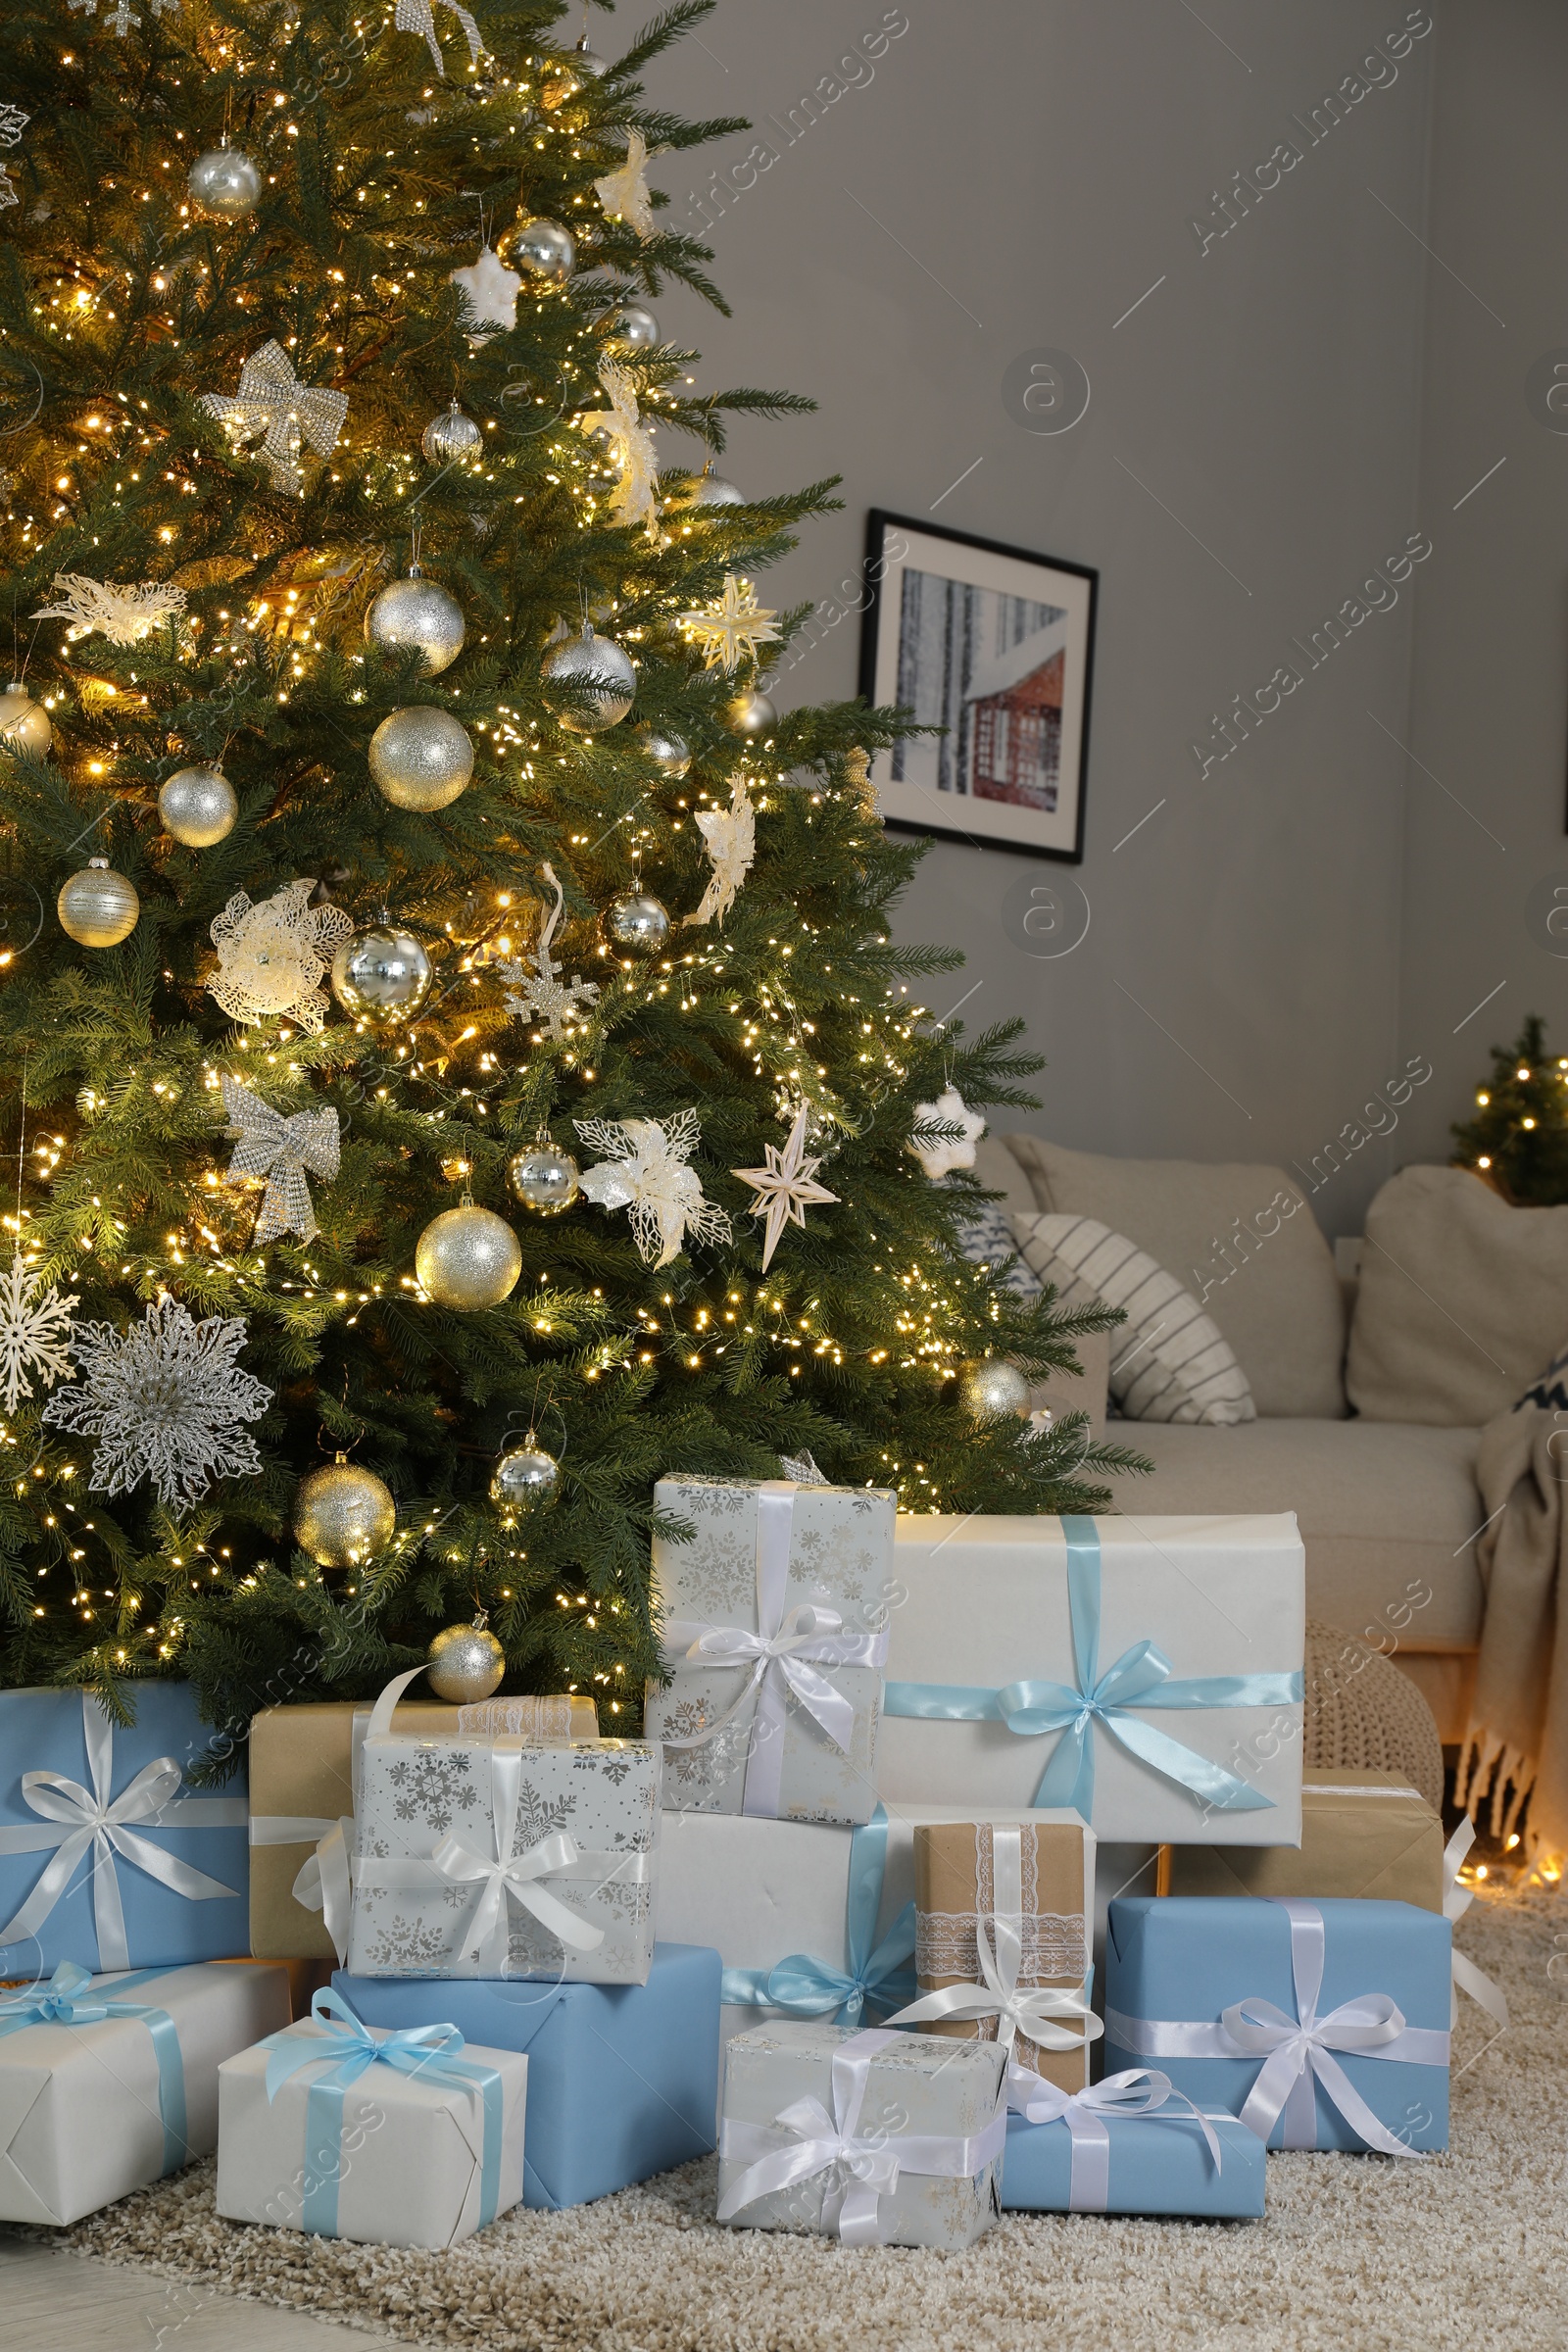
(34, 1333)
(541, 992)
(164, 1401)
(272, 956)
(646, 1174)
(273, 406)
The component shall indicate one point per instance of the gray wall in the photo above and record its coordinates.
(1249, 453)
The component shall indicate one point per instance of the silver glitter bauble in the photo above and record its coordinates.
(467, 1664)
(225, 184)
(640, 924)
(668, 752)
(381, 975)
(525, 1480)
(710, 489)
(198, 806)
(416, 616)
(24, 724)
(635, 327)
(571, 664)
(468, 1257)
(752, 714)
(98, 908)
(544, 1178)
(992, 1389)
(450, 437)
(343, 1515)
(542, 247)
(421, 757)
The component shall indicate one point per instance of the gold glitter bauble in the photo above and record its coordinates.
(421, 757)
(468, 1257)
(343, 1515)
(98, 908)
(417, 615)
(467, 1664)
(198, 806)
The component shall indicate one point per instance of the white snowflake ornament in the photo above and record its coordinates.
(634, 447)
(937, 1154)
(270, 957)
(648, 1175)
(731, 838)
(34, 1333)
(492, 291)
(125, 616)
(164, 1401)
(272, 405)
(541, 995)
(623, 192)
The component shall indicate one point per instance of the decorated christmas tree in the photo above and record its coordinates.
(455, 1059)
(1518, 1140)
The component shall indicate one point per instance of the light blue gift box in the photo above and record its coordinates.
(1157, 2163)
(106, 1858)
(1323, 2024)
(622, 2078)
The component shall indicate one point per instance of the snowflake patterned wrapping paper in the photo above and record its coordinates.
(500, 1858)
(775, 1625)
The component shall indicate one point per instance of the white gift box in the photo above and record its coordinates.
(1145, 1670)
(503, 1858)
(775, 1624)
(108, 2082)
(419, 2154)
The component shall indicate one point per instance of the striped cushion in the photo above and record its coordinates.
(1168, 1361)
(987, 1241)
(1548, 1394)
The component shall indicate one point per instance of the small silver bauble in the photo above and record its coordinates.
(381, 975)
(669, 753)
(640, 924)
(544, 1178)
(225, 184)
(752, 713)
(343, 1515)
(98, 908)
(636, 328)
(710, 489)
(421, 757)
(450, 437)
(601, 682)
(416, 616)
(198, 806)
(466, 1663)
(526, 1479)
(542, 247)
(24, 724)
(992, 1389)
(468, 1257)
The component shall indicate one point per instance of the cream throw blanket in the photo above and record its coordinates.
(1516, 1745)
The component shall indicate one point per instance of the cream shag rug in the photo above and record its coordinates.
(1467, 2252)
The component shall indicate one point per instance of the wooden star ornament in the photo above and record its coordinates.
(786, 1187)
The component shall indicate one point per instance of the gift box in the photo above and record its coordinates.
(497, 1858)
(775, 1624)
(1132, 2146)
(622, 2078)
(302, 1768)
(1145, 1672)
(876, 2138)
(408, 2139)
(108, 2082)
(106, 1859)
(1322, 2024)
(1364, 1834)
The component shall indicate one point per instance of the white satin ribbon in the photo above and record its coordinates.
(1297, 2052)
(97, 1823)
(1456, 1902)
(324, 1882)
(783, 1654)
(865, 2165)
(1139, 2090)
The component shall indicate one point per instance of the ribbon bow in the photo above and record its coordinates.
(98, 1822)
(518, 1878)
(1032, 2010)
(281, 1149)
(807, 1986)
(1140, 2091)
(418, 16)
(1456, 1902)
(273, 403)
(70, 1999)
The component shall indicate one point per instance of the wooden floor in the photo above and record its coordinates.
(58, 2303)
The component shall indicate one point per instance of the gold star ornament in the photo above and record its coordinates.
(730, 629)
(786, 1187)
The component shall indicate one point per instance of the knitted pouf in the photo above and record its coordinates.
(1362, 1712)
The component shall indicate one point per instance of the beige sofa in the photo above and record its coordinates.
(1387, 1509)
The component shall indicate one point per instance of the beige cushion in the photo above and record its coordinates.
(1274, 1296)
(997, 1170)
(1386, 1513)
(1462, 1300)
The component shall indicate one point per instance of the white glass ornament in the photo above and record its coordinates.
(225, 184)
(416, 614)
(993, 1390)
(601, 682)
(525, 1479)
(343, 1515)
(450, 437)
(544, 1178)
(636, 328)
(468, 1257)
(638, 922)
(752, 714)
(198, 806)
(669, 753)
(24, 724)
(421, 757)
(466, 1663)
(542, 247)
(381, 975)
(98, 908)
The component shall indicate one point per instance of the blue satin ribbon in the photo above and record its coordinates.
(809, 1987)
(347, 2048)
(1140, 1678)
(67, 2000)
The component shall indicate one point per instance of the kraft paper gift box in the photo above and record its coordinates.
(302, 1768)
(1322, 2024)
(1145, 1672)
(1364, 1834)
(107, 1857)
(108, 2082)
(1127, 2146)
(775, 1625)
(622, 2078)
(497, 1858)
(876, 2138)
(411, 2139)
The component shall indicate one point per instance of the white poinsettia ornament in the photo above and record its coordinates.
(732, 837)
(272, 956)
(125, 616)
(647, 1173)
(936, 1152)
(634, 458)
(623, 192)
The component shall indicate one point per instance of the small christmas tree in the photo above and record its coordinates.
(1519, 1141)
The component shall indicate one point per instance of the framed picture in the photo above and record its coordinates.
(994, 645)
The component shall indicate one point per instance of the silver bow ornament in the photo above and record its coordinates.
(272, 403)
(283, 1151)
(418, 16)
